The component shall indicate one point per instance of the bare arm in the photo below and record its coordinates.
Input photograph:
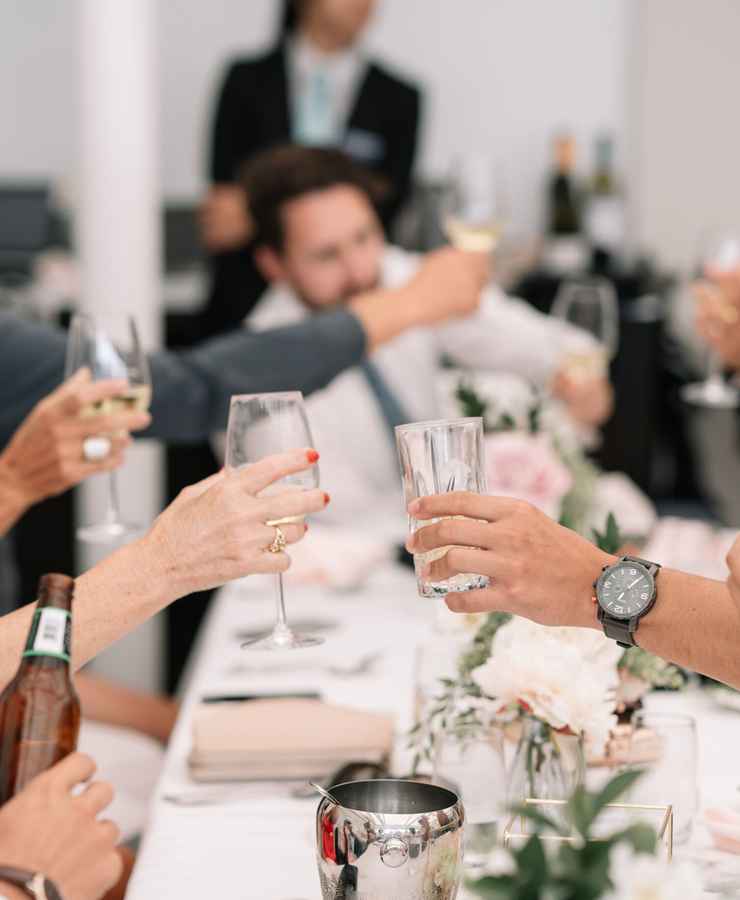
(447, 285)
(212, 533)
(115, 704)
(545, 572)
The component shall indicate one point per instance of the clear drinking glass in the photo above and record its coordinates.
(719, 254)
(260, 425)
(471, 207)
(89, 346)
(437, 458)
(672, 777)
(591, 305)
(470, 760)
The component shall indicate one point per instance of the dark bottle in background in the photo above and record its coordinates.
(565, 251)
(40, 709)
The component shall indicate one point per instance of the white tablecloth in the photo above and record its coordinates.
(259, 845)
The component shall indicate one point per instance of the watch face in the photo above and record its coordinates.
(625, 590)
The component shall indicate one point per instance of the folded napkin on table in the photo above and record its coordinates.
(283, 738)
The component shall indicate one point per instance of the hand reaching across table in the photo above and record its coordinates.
(545, 572)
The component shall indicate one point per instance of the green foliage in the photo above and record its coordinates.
(610, 540)
(576, 870)
(652, 669)
(480, 647)
(470, 403)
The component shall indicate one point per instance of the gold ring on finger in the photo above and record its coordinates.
(279, 543)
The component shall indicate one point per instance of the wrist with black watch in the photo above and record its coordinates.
(33, 884)
(625, 592)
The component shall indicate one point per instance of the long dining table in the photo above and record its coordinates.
(255, 841)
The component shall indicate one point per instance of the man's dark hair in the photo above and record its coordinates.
(274, 178)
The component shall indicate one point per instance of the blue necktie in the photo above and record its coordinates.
(314, 127)
(393, 412)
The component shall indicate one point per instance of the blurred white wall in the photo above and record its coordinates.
(501, 76)
(687, 130)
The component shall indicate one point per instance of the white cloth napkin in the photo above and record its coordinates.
(283, 738)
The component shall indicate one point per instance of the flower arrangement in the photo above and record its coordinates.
(586, 868)
(513, 669)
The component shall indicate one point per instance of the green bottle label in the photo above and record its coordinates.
(50, 634)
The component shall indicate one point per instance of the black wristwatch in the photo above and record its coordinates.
(625, 592)
(33, 883)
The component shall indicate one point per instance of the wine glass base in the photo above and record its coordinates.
(710, 393)
(107, 532)
(282, 640)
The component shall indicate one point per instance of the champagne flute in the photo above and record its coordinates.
(720, 254)
(260, 425)
(591, 305)
(89, 346)
(471, 206)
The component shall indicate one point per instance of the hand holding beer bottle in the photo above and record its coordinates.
(46, 830)
(39, 709)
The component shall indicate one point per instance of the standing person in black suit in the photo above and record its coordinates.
(317, 86)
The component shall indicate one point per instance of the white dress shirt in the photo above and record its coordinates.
(359, 468)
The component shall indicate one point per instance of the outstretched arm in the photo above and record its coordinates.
(545, 572)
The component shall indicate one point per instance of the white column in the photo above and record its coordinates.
(119, 244)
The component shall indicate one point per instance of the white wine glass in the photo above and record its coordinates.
(89, 346)
(472, 215)
(260, 425)
(591, 305)
(719, 254)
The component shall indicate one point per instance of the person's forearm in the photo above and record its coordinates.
(115, 704)
(385, 313)
(695, 624)
(111, 599)
(192, 389)
(12, 502)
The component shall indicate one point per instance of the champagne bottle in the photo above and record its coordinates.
(565, 250)
(40, 709)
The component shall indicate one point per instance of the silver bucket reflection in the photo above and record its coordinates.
(390, 840)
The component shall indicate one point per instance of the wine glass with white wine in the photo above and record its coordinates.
(471, 206)
(591, 305)
(719, 255)
(261, 425)
(90, 347)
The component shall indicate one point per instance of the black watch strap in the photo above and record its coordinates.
(33, 883)
(620, 630)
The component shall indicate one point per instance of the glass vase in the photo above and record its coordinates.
(547, 764)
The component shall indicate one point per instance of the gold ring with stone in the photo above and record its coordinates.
(279, 544)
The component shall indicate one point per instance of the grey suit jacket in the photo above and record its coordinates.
(191, 388)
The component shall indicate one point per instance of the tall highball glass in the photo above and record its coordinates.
(437, 458)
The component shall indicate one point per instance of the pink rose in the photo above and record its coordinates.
(527, 467)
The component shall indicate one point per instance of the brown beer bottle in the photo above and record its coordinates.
(40, 709)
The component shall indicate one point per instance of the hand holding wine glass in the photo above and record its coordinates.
(717, 297)
(89, 347)
(260, 425)
(46, 456)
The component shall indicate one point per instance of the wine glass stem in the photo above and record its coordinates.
(714, 367)
(113, 514)
(281, 625)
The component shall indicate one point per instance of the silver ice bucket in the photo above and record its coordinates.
(390, 840)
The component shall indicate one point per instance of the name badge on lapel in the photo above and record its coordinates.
(364, 146)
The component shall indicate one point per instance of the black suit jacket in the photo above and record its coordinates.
(253, 114)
